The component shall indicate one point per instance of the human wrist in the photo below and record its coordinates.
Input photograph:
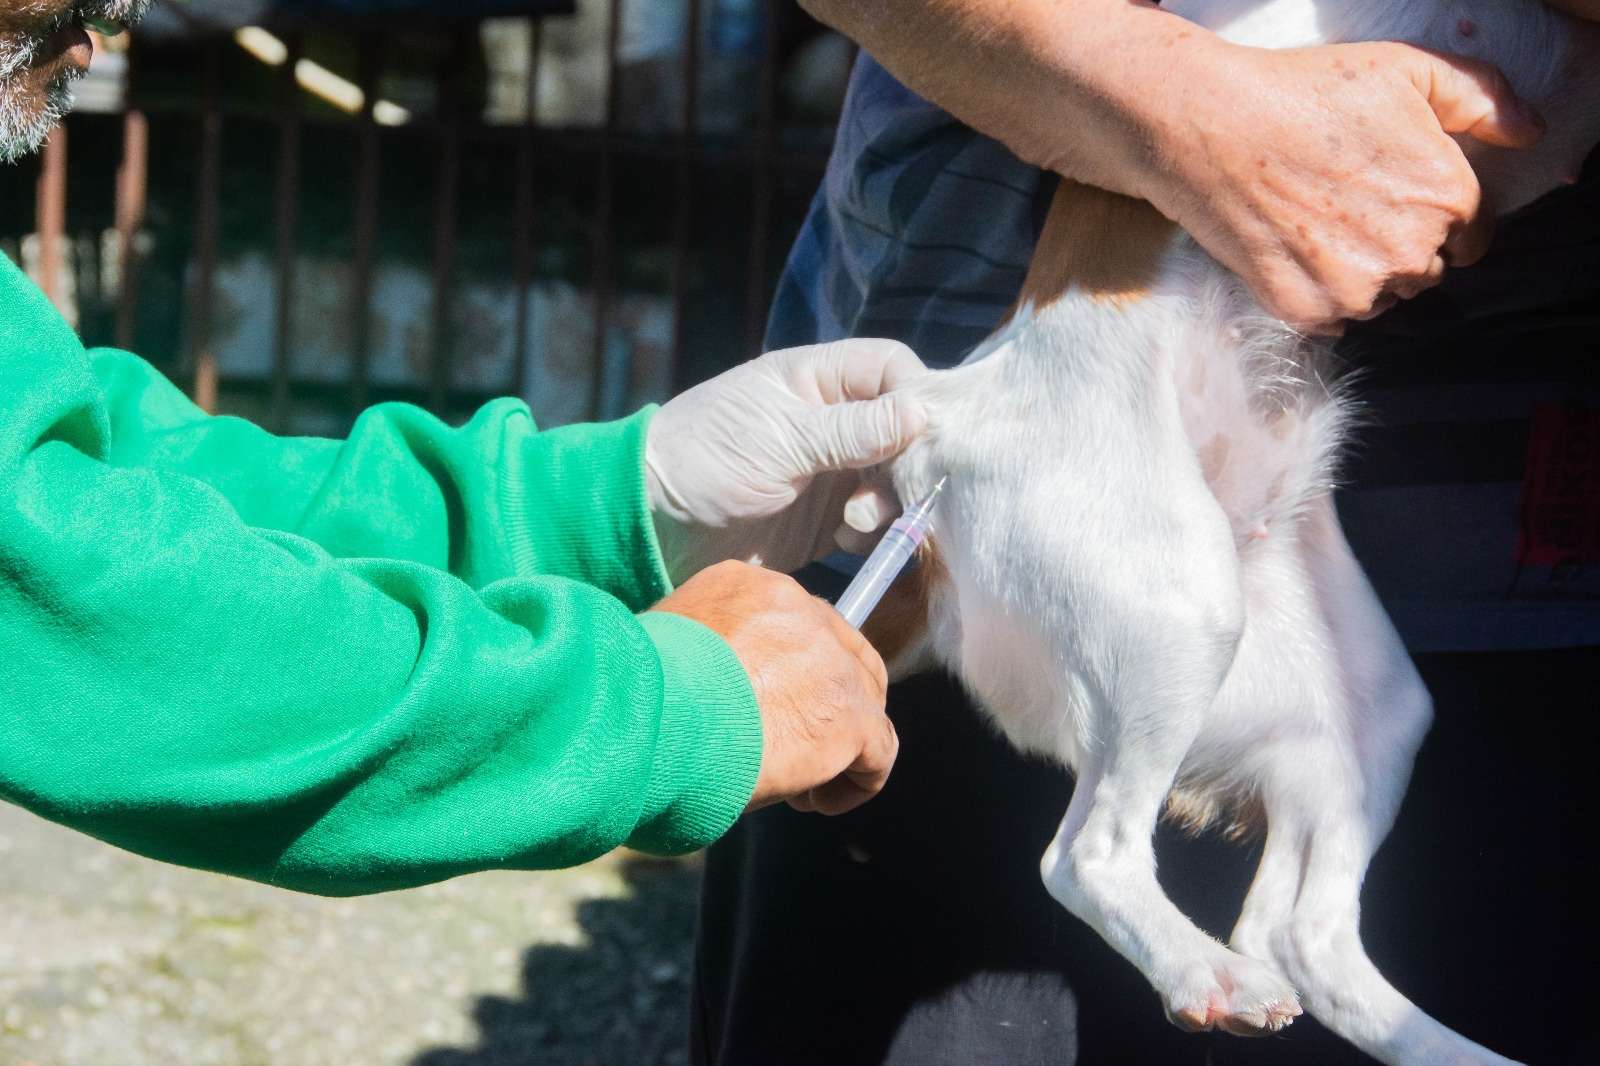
(669, 518)
(709, 750)
(1127, 72)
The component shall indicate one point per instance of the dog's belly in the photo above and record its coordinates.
(1070, 502)
(1264, 427)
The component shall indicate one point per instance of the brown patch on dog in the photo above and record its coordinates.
(1097, 242)
(1195, 809)
(1214, 458)
(898, 628)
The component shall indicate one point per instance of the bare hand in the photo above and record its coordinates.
(1326, 177)
(826, 743)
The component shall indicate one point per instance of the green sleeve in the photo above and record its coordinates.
(490, 500)
(276, 678)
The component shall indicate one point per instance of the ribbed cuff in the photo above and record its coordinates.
(581, 493)
(708, 753)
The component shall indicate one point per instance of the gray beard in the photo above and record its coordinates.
(24, 123)
(25, 120)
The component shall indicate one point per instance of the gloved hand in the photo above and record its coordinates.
(761, 464)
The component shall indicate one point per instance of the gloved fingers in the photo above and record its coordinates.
(841, 371)
(870, 508)
(849, 436)
(872, 505)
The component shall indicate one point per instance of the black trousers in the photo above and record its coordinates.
(916, 932)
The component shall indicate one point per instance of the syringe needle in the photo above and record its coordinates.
(896, 548)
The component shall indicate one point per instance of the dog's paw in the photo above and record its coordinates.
(1232, 993)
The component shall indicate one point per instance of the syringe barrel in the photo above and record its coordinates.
(878, 573)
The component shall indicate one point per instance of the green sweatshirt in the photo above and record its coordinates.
(341, 666)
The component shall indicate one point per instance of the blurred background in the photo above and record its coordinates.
(299, 208)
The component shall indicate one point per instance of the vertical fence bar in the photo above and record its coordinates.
(133, 175)
(522, 213)
(603, 214)
(288, 223)
(446, 193)
(369, 72)
(762, 185)
(683, 220)
(50, 215)
(208, 200)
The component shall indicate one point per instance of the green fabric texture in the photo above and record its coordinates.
(341, 666)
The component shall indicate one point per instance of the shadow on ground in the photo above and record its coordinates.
(622, 997)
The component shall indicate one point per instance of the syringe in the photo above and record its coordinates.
(887, 560)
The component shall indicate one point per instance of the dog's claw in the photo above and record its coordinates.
(1237, 995)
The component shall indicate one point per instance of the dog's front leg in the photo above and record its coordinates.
(1101, 865)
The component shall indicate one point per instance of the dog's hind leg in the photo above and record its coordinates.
(1331, 792)
(1101, 865)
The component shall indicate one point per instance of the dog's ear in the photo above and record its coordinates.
(900, 626)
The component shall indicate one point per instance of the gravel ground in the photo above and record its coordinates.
(111, 960)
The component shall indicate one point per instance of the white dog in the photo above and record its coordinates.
(1138, 570)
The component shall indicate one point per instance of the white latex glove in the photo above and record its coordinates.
(762, 463)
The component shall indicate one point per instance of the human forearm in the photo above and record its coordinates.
(183, 681)
(479, 500)
(1065, 86)
(191, 688)
(1327, 177)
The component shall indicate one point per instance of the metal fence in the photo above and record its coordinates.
(757, 157)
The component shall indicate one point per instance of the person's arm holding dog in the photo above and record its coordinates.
(1326, 177)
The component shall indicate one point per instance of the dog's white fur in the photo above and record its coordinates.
(1146, 579)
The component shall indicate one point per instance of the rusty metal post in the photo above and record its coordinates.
(763, 181)
(288, 223)
(133, 174)
(446, 194)
(373, 52)
(208, 200)
(683, 220)
(522, 214)
(50, 199)
(603, 214)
